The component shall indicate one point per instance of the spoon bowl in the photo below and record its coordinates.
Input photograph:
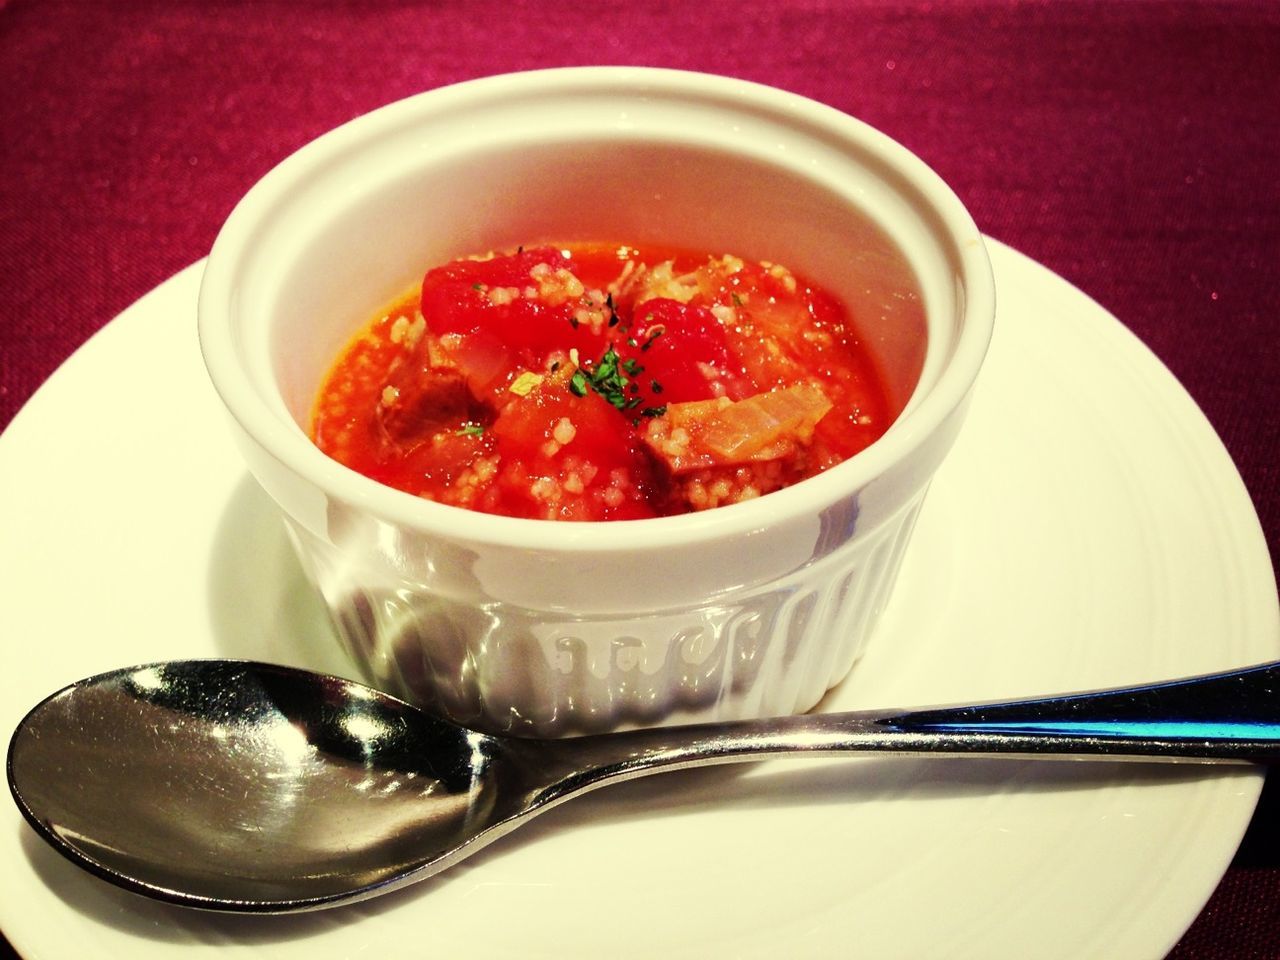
(241, 786)
(219, 783)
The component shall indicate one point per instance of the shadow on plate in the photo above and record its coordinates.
(261, 605)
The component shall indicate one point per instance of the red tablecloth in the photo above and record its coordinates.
(1132, 147)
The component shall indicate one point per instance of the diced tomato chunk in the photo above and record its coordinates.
(527, 424)
(563, 452)
(531, 302)
(681, 352)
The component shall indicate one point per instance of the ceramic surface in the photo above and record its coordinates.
(536, 628)
(1099, 553)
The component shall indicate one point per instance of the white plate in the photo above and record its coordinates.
(1088, 530)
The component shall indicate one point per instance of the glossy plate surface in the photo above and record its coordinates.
(1089, 530)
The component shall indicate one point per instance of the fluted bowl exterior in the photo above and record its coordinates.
(545, 628)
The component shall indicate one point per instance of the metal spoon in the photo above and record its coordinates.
(239, 786)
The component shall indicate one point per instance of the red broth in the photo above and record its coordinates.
(602, 382)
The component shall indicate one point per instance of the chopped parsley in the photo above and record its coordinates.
(612, 378)
(609, 380)
(470, 429)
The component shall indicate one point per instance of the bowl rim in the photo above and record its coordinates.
(291, 447)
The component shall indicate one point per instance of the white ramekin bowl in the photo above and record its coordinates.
(542, 628)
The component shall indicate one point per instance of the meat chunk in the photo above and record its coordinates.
(423, 395)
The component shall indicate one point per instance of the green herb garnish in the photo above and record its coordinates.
(470, 430)
(610, 377)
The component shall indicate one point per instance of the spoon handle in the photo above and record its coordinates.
(1227, 717)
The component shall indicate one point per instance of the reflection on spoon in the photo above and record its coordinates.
(232, 785)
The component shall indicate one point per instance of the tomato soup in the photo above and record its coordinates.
(602, 382)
